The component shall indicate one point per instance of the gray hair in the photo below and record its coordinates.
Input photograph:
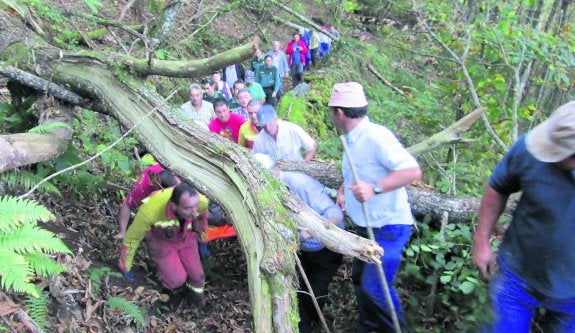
(195, 86)
(244, 90)
(255, 102)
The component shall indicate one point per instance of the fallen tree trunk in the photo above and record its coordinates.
(26, 148)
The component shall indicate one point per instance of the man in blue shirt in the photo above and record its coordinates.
(319, 263)
(384, 167)
(536, 260)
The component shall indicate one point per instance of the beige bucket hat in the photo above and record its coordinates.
(554, 139)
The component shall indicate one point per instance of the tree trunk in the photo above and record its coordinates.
(26, 148)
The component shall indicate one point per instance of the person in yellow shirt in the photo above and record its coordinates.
(250, 129)
(173, 221)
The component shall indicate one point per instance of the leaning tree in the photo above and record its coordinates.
(261, 209)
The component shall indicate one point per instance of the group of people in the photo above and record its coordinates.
(263, 78)
(535, 264)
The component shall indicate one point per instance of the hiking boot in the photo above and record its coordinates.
(196, 299)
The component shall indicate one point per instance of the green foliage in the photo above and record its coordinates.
(11, 181)
(94, 5)
(47, 127)
(24, 246)
(94, 133)
(38, 308)
(96, 275)
(441, 280)
(128, 308)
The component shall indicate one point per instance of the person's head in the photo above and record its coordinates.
(195, 94)
(250, 77)
(258, 53)
(238, 85)
(268, 119)
(553, 141)
(296, 37)
(217, 76)
(268, 60)
(184, 201)
(244, 98)
(209, 86)
(276, 45)
(253, 106)
(347, 102)
(221, 109)
(167, 178)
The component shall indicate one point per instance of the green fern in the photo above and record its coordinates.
(127, 307)
(23, 245)
(43, 266)
(32, 239)
(12, 180)
(96, 275)
(16, 273)
(41, 129)
(38, 308)
(14, 212)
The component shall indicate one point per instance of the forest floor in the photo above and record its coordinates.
(89, 230)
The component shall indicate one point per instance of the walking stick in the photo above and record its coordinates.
(379, 266)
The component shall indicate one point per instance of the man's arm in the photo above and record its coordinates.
(491, 207)
(136, 232)
(310, 153)
(124, 218)
(364, 191)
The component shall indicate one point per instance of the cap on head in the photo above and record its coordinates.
(266, 114)
(347, 95)
(250, 77)
(265, 160)
(554, 139)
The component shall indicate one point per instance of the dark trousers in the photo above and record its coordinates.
(314, 54)
(320, 267)
(269, 99)
(296, 73)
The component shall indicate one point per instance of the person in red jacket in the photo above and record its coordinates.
(296, 51)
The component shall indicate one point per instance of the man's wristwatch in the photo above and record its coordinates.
(377, 189)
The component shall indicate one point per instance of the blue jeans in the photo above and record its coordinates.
(374, 313)
(514, 304)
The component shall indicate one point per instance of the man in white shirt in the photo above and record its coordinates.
(282, 140)
(196, 109)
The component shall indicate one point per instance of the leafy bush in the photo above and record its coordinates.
(443, 285)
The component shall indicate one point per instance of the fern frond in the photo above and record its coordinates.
(38, 308)
(14, 212)
(43, 266)
(30, 238)
(15, 273)
(97, 275)
(41, 129)
(128, 308)
(26, 180)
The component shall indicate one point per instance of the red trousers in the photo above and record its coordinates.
(177, 259)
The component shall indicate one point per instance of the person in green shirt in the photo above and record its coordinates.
(211, 91)
(255, 89)
(256, 61)
(314, 46)
(269, 79)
